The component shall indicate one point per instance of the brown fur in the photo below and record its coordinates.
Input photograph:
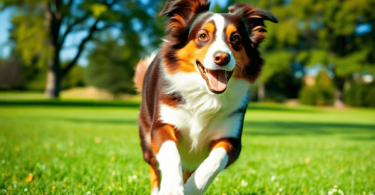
(179, 54)
(231, 145)
(154, 177)
(140, 72)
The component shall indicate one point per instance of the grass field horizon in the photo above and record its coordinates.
(92, 147)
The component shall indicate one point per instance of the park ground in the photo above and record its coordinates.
(92, 147)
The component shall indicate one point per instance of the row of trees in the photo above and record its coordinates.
(309, 32)
(323, 32)
(41, 27)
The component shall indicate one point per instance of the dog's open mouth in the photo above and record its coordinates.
(217, 80)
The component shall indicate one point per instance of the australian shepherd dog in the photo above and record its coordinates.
(195, 92)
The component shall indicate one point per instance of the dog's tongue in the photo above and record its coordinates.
(217, 79)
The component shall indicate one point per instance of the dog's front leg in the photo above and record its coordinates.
(165, 147)
(223, 153)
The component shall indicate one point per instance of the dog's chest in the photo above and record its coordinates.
(203, 117)
(196, 132)
(197, 128)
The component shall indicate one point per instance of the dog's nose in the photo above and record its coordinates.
(221, 58)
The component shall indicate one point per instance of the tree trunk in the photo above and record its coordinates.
(261, 91)
(52, 85)
(53, 79)
(338, 103)
(54, 71)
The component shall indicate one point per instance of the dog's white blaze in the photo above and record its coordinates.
(201, 179)
(218, 45)
(170, 166)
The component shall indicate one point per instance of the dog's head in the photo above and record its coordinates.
(216, 46)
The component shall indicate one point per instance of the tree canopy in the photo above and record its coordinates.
(42, 27)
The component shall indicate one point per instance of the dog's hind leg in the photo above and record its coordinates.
(155, 180)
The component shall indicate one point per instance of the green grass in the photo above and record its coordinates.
(20, 95)
(76, 147)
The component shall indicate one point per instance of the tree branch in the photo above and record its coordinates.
(105, 27)
(80, 49)
(78, 21)
(110, 4)
(85, 40)
(70, 27)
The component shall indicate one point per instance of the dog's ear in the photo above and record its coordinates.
(254, 19)
(182, 13)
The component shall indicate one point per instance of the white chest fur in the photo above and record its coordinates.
(203, 116)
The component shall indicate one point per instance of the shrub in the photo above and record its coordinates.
(322, 92)
(308, 95)
(360, 94)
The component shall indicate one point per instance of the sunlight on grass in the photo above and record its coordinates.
(94, 150)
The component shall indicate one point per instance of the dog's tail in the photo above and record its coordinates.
(140, 71)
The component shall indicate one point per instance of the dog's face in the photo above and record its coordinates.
(215, 46)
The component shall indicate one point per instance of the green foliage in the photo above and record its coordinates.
(320, 31)
(111, 66)
(360, 94)
(40, 29)
(354, 62)
(276, 62)
(282, 86)
(74, 78)
(308, 95)
(32, 77)
(322, 92)
(31, 35)
(276, 74)
(75, 149)
(21, 76)
(36, 80)
(98, 9)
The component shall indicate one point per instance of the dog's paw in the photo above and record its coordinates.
(171, 188)
(190, 187)
(172, 192)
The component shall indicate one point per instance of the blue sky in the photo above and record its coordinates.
(71, 41)
(4, 35)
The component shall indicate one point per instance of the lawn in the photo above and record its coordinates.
(93, 148)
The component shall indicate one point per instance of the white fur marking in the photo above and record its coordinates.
(155, 191)
(201, 179)
(170, 167)
(151, 57)
(218, 45)
(202, 109)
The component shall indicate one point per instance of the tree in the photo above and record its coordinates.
(320, 31)
(42, 26)
(111, 66)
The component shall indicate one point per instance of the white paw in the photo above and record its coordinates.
(171, 188)
(190, 188)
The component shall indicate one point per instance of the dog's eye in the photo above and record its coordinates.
(235, 39)
(203, 37)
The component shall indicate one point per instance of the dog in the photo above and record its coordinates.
(195, 92)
